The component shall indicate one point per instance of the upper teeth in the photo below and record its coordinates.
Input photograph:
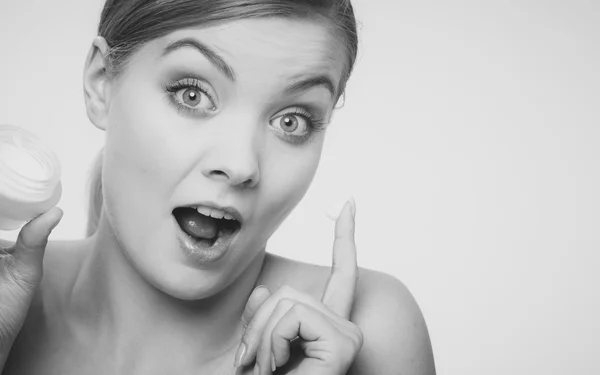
(213, 212)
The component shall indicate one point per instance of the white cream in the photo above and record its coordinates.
(29, 177)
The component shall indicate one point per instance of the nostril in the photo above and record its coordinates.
(219, 173)
(247, 178)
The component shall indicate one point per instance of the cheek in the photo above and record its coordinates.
(288, 176)
(137, 153)
(293, 176)
(134, 135)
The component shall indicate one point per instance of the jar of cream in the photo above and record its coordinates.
(29, 177)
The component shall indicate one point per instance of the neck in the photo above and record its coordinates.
(125, 311)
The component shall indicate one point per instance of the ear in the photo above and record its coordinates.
(97, 83)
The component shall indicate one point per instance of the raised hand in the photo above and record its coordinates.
(20, 274)
(290, 332)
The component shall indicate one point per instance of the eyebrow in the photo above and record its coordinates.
(226, 69)
(311, 82)
(211, 55)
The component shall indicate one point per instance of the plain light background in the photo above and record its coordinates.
(470, 140)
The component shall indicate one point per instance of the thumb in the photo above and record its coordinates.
(31, 242)
(259, 295)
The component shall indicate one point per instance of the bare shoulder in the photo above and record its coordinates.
(396, 339)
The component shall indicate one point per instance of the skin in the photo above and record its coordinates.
(107, 301)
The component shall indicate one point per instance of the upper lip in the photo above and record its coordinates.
(228, 209)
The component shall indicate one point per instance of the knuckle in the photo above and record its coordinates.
(300, 309)
(248, 333)
(245, 322)
(245, 315)
(285, 303)
(354, 334)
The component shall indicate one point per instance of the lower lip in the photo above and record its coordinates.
(199, 253)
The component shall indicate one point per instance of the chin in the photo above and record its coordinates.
(187, 283)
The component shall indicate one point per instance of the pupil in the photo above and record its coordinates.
(289, 123)
(191, 96)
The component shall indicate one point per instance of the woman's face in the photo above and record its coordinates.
(220, 117)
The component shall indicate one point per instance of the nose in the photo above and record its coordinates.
(233, 159)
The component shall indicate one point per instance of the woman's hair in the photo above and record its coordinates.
(128, 24)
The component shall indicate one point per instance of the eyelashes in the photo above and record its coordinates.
(315, 122)
(296, 125)
(192, 95)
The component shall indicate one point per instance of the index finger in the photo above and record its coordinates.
(339, 291)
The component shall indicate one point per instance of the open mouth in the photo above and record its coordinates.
(206, 225)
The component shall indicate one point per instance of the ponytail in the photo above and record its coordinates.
(95, 202)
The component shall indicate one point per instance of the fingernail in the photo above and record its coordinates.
(239, 355)
(55, 223)
(352, 206)
(261, 287)
(273, 365)
(336, 208)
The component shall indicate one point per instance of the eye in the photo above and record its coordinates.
(292, 124)
(195, 99)
(192, 95)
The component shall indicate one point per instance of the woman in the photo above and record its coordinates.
(213, 112)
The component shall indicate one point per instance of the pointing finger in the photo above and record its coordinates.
(339, 291)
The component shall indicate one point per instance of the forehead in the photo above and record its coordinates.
(281, 48)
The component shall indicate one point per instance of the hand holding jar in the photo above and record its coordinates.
(29, 189)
